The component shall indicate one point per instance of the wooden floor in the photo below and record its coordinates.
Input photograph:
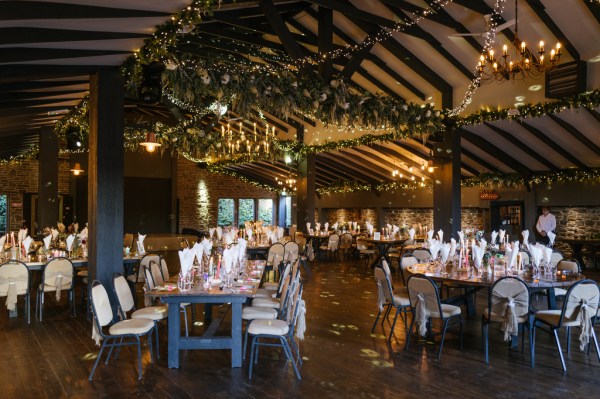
(342, 359)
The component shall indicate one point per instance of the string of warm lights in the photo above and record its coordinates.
(489, 40)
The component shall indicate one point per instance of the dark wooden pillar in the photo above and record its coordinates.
(325, 38)
(281, 211)
(48, 181)
(446, 194)
(105, 178)
(380, 218)
(306, 191)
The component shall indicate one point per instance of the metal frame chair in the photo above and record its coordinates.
(16, 273)
(119, 332)
(56, 269)
(387, 297)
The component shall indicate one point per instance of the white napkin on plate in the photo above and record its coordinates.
(186, 259)
(27, 243)
(429, 235)
(47, 240)
(70, 240)
(452, 247)
(211, 232)
(242, 248)
(478, 253)
(514, 252)
(307, 227)
(525, 236)
(54, 233)
(440, 235)
(207, 245)
(552, 237)
(249, 233)
(281, 231)
(335, 226)
(461, 237)
(445, 251)
(501, 234)
(434, 248)
(536, 253)
(354, 224)
(326, 226)
(140, 244)
(22, 234)
(411, 233)
(318, 227)
(198, 250)
(395, 229)
(547, 254)
(494, 236)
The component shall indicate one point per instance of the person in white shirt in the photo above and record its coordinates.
(546, 223)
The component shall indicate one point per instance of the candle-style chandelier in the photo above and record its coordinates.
(289, 184)
(517, 62)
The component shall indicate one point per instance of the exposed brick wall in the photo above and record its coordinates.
(409, 217)
(577, 222)
(199, 190)
(475, 218)
(16, 180)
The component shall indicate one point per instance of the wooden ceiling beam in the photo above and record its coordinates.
(482, 8)
(361, 164)
(495, 152)
(287, 39)
(27, 10)
(540, 11)
(522, 146)
(12, 96)
(351, 11)
(546, 140)
(20, 35)
(25, 54)
(336, 168)
(39, 85)
(576, 134)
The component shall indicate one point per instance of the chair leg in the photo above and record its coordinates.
(245, 340)
(156, 337)
(376, 320)
(386, 314)
(562, 358)
(532, 346)
(484, 338)
(393, 324)
(412, 322)
(97, 360)
(568, 339)
(252, 355)
(139, 348)
(595, 343)
(285, 345)
(443, 337)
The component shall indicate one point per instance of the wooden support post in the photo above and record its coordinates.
(48, 181)
(446, 194)
(105, 181)
(306, 191)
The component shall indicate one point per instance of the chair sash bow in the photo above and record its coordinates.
(510, 324)
(586, 323)
(380, 295)
(58, 284)
(11, 296)
(301, 322)
(421, 314)
(96, 336)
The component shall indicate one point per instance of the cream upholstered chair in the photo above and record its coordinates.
(127, 304)
(556, 257)
(138, 274)
(406, 261)
(291, 251)
(128, 240)
(281, 329)
(422, 254)
(390, 300)
(569, 266)
(364, 251)
(332, 247)
(303, 253)
(153, 277)
(274, 257)
(59, 276)
(346, 244)
(508, 303)
(579, 309)
(14, 281)
(425, 305)
(121, 333)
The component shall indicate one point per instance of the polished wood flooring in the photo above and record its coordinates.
(342, 359)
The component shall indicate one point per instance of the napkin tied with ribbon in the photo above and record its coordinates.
(440, 235)
(411, 233)
(242, 248)
(445, 252)
(70, 241)
(186, 260)
(525, 236)
(140, 244)
(494, 236)
(27, 243)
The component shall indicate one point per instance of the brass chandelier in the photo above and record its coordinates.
(519, 62)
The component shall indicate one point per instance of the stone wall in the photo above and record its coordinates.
(346, 215)
(198, 192)
(409, 217)
(475, 218)
(577, 222)
(16, 180)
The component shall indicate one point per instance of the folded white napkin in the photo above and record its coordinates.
(536, 253)
(70, 240)
(228, 237)
(140, 244)
(370, 229)
(452, 247)
(395, 229)
(483, 244)
(211, 232)
(440, 235)
(478, 253)
(552, 237)
(494, 236)
(326, 226)
(434, 248)
(84, 234)
(54, 233)
(547, 254)
(512, 259)
(207, 245)
(219, 232)
(227, 260)
(411, 233)
(354, 224)
(307, 227)
(3, 241)
(318, 227)
(198, 250)
(186, 259)
(445, 251)
(27, 243)
(242, 248)
(22, 234)
(525, 236)
(47, 240)
(501, 234)
(461, 237)
(429, 235)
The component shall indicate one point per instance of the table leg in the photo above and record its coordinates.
(174, 335)
(236, 334)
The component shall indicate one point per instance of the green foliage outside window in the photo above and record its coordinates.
(226, 212)
(265, 210)
(3, 213)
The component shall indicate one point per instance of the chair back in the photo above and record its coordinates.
(100, 304)
(275, 254)
(386, 269)
(145, 261)
(148, 277)
(361, 244)
(570, 265)
(292, 250)
(408, 260)
(504, 291)
(301, 241)
(582, 293)
(59, 272)
(14, 272)
(555, 258)
(164, 269)
(384, 289)
(333, 242)
(420, 286)
(346, 241)
(123, 294)
(156, 272)
(292, 231)
(422, 254)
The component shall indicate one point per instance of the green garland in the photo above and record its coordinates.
(220, 170)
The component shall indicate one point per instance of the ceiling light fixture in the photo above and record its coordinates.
(150, 142)
(77, 169)
(519, 63)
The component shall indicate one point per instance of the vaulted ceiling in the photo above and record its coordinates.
(48, 49)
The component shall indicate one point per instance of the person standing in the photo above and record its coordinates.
(546, 223)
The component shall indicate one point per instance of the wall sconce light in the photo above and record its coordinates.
(77, 169)
(430, 167)
(150, 142)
